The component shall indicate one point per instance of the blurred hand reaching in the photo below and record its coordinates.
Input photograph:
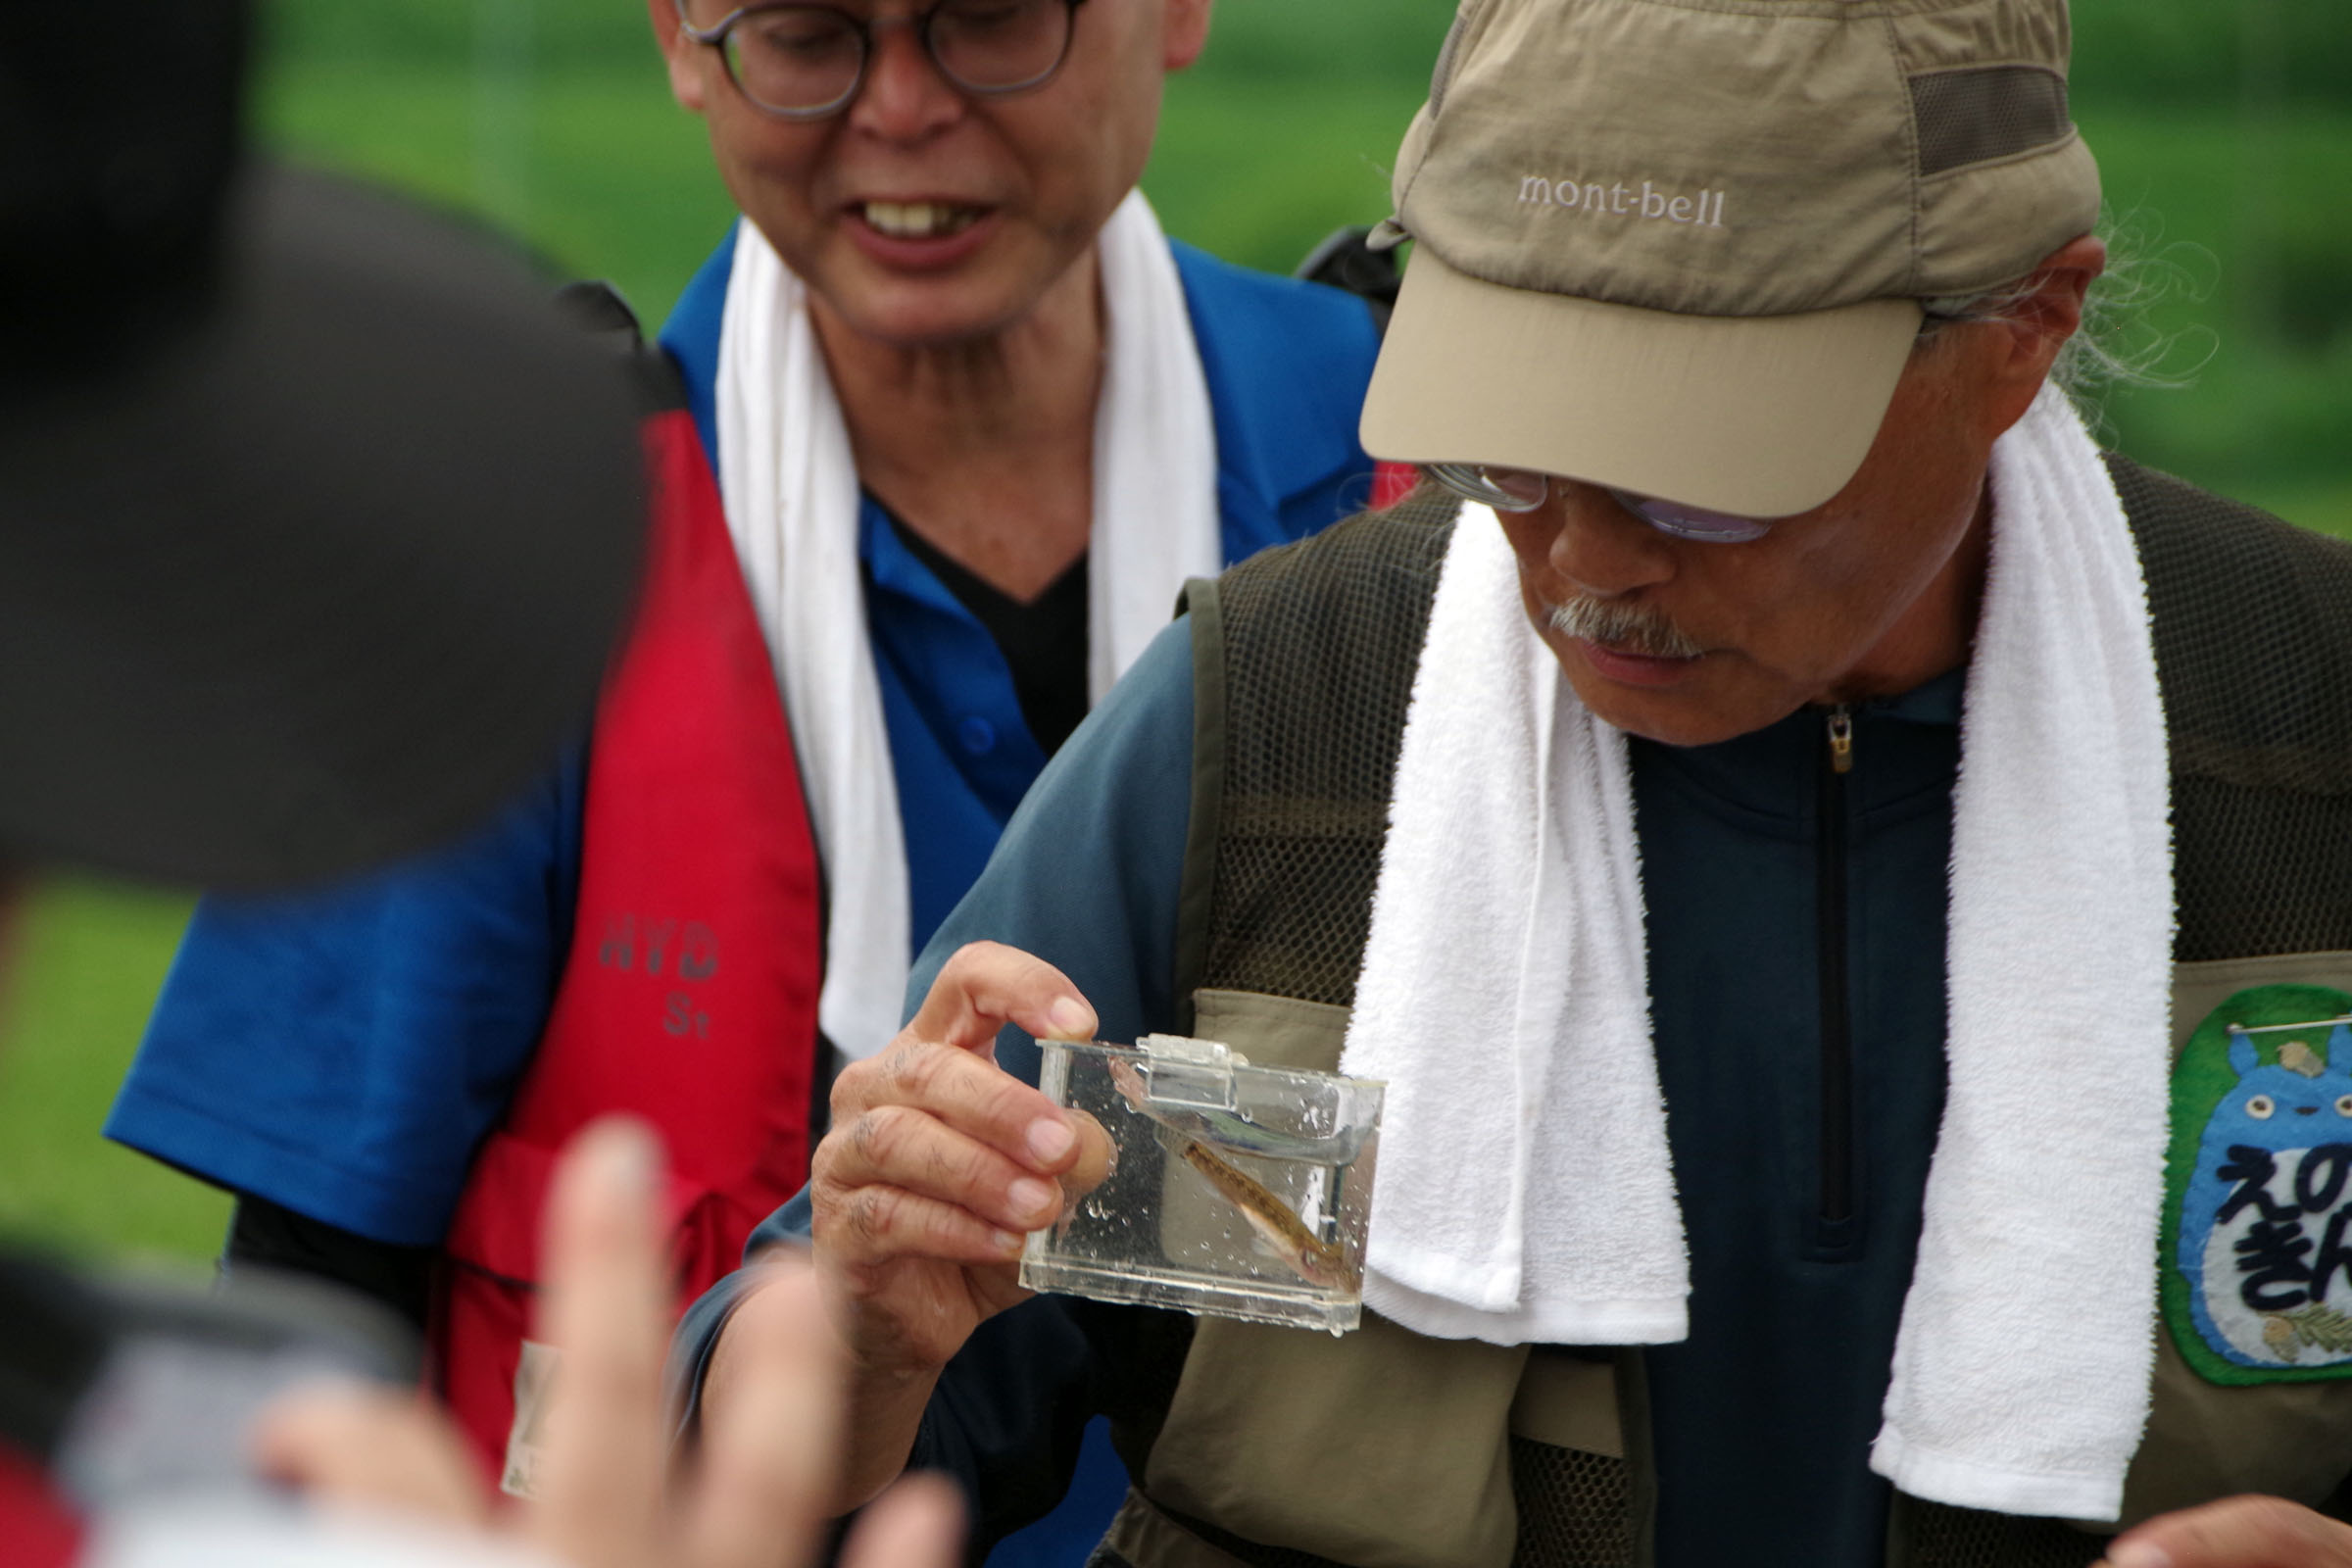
(756, 1493)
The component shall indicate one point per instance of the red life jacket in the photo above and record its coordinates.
(689, 995)
(37, 1530)
(1392, 482)
(696, 850)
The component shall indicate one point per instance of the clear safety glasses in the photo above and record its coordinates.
(1525, 489)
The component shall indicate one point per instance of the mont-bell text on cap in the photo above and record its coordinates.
(1720, 157)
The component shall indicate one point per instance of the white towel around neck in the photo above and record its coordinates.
(1525, 1191)
(790, 491)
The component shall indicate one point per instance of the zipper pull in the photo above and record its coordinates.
(1842, 739)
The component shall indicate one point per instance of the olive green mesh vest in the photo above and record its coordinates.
(1303, 661)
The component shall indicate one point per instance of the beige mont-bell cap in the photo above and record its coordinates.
(1678, 246)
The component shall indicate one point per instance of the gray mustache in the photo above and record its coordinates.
(1627, 627)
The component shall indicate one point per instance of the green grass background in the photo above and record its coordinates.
(2223, 130)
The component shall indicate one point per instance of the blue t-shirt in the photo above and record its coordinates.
(341, 1052)
(1802, 1206)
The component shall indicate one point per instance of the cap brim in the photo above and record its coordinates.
(327, 579)
(1763, 416)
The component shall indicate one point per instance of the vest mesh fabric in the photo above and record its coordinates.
(2254, 657)
(1941, 1536)
(2254, 651)
(1576, 1509)
(1310, 648)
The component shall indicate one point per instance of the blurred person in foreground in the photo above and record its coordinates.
(1849, 888)
(315, 527)
(973, 421)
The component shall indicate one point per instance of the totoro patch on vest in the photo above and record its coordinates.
(2257, 1279)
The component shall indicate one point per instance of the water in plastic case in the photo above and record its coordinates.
(1237, 1191)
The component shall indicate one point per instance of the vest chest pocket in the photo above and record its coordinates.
(1273, 1031)
(1381, 1449)
(2253, 1381)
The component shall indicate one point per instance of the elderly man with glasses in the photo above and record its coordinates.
(1847, 886)
(973, 421)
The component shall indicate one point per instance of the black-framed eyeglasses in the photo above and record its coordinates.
(804, 62)
(1524, 490)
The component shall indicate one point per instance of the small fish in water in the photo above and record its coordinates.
(1307, 1255)
(1182, 1133)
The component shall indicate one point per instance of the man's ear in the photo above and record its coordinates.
(2024, 342)
(2052, 311)
(678, 52)
(1183, 33)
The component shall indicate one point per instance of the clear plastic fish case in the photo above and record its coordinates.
(1236, 1191)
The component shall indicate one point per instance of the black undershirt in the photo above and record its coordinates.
(274, 1236)
(1042, 641)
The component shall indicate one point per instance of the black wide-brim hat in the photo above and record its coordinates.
(322, 572)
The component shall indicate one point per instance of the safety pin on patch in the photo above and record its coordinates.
(2280, 1028)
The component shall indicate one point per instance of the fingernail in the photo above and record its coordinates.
(2139, 1554)
(1029, 1195)
(1069, 1018)
(1009, 1243)
(1050, 1138)
(630, 1153)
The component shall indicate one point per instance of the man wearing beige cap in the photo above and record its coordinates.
(1849, 888)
